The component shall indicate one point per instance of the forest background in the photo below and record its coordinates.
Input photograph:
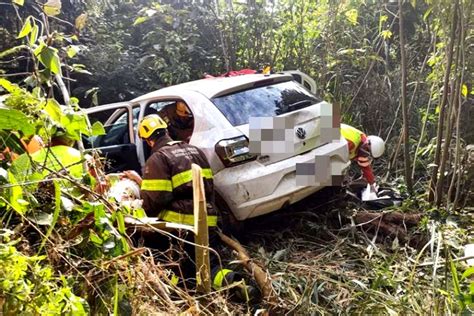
(409, 82)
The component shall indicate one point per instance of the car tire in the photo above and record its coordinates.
(230, 225)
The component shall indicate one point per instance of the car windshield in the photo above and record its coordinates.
(264, 101)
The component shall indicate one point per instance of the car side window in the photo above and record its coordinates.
(116, 131)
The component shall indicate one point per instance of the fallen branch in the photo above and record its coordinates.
(260, 276)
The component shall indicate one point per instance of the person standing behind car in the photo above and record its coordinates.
(179, 119)
(167, 193)
(362, 149)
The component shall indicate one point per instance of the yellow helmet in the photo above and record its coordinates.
(150, 124)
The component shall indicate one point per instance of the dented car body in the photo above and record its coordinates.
(269, 141)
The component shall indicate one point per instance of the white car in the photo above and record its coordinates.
(248, 184)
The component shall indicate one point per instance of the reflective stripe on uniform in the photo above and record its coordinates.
(156, 185)
(219, 278)
(354, 135)
(187, 176)
(185, 219)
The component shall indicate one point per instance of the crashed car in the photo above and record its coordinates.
(256, 167)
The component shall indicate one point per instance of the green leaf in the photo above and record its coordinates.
(19, 2)
(464, 90)
(98, 129)
(95, 238)
(386, 34)
(72, 51)
(352, 16)
(120, 222)
(49, 57)
(7, 85)
(467, 273)
(75, 124)
(53, 109)
(33, 35)
(15, 120)
(16, 194)
(140, 20)
(26, 29)
(52, 7)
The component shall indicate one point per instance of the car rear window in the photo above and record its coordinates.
(264, 101)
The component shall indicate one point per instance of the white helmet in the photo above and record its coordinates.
(377, 146)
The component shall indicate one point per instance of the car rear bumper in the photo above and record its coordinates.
(253, 189)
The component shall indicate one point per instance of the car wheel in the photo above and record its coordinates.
(229, 225)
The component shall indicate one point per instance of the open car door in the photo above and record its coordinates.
(118, 144)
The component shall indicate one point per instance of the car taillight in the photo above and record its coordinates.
(234, 151)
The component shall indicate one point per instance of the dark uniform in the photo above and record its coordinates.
(167, 193)
(167, 187)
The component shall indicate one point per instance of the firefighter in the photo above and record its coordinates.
(362, 149)
(167, 193)
(180, 121)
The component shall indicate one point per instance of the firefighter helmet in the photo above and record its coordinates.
(150, 124)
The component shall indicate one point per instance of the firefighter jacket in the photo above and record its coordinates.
(167, 188)
(359, 150)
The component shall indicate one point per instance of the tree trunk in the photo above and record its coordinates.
(403, 100)
(439, 135)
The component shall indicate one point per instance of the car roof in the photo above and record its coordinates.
(217, 86)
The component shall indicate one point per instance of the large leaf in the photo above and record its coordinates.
(15, 120)
(75, 124)
(19, 2)
(49, 57)
(53, 109)
(26, 29)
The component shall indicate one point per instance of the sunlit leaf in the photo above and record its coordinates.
(26, 29)
(80, 22)
(72, 50)
(98, 129)
(54, 111)
(19, 2)
(464, 90)
(140, 20)
(120, 222)
(49, 57)
(352, 16)
(15, 120)
(386, 34)
(52, 7)
(467, 273)
(33, 35)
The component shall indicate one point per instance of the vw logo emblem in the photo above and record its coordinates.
(301, 133)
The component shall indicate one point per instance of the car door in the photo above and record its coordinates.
(117, 145)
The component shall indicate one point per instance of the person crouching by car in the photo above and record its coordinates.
(362, 149)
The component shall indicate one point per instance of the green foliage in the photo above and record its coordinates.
(28, 286)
